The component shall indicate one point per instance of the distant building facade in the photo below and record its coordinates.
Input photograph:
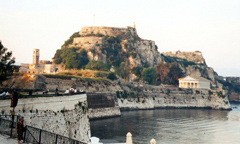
(35, 56)
(40, 66)
(194, 82)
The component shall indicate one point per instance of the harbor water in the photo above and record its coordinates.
(172, 126)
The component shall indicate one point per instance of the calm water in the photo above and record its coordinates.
(172, 126)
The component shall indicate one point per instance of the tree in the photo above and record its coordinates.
(57, 57)
(71, 58)
(162, 70)
(6, 63)
(70, 40)
(112, 76)
(123, 70)
(175, 72)
(137, 71)
(149, 75)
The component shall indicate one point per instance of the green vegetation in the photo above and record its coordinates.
(97, 65)
(123, 70)
(84, 79)
(163, 73)
(6, 63)
(101, 74)
(137, 71)
(122, 94)
(70, 40)
(168, 73)
(188, 63)
(183, 62)
(149, 75)
(60, 76)
(112, 76)
(71, 58)
(230, 86)
(113, 49)
(133, 54)
(220, 94)
(210, 92)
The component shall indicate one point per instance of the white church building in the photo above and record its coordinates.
(194, 82)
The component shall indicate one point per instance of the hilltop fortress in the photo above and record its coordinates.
(93, 39)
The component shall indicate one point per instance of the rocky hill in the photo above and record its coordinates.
(195, 56)
(193, 63)
(122, 49)
(122, 46)
(108, 43)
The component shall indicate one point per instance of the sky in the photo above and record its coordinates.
(209, 26)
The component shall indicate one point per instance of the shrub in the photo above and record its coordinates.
(220, 94)
(96, 65)
(101, 74)
(112, 76)
(70, 40)
(118, 95)
(68, 73)
(210, 92)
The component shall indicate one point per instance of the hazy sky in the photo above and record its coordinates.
(210, 26)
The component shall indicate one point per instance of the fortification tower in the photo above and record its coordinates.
(35, 56)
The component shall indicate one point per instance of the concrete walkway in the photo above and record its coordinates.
(5, 139)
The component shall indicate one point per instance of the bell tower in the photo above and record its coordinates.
(36, 56)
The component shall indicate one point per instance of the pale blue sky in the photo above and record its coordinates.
(210, 26)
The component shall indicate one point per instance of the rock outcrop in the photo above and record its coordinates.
(195, 56)
(143, 52)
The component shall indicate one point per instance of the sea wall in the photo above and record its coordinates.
(106, 98)
(64, 115)
(103, 105)
(177, 98)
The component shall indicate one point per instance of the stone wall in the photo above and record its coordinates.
(177, 98)
(103, 105)
(105, 98)
(127, 33)
(87, 42)
(65, 115)
(41, 68)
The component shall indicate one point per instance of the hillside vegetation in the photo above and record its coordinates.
(134, 59)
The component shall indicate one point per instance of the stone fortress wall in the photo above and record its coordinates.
(64, 115)
(102, 105)
(109, 31)
(87, 42)
(106, 103)
(41, 68)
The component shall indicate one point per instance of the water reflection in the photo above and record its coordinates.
(171, 126)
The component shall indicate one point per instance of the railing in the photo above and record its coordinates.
(8, 124)
(32, 134)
